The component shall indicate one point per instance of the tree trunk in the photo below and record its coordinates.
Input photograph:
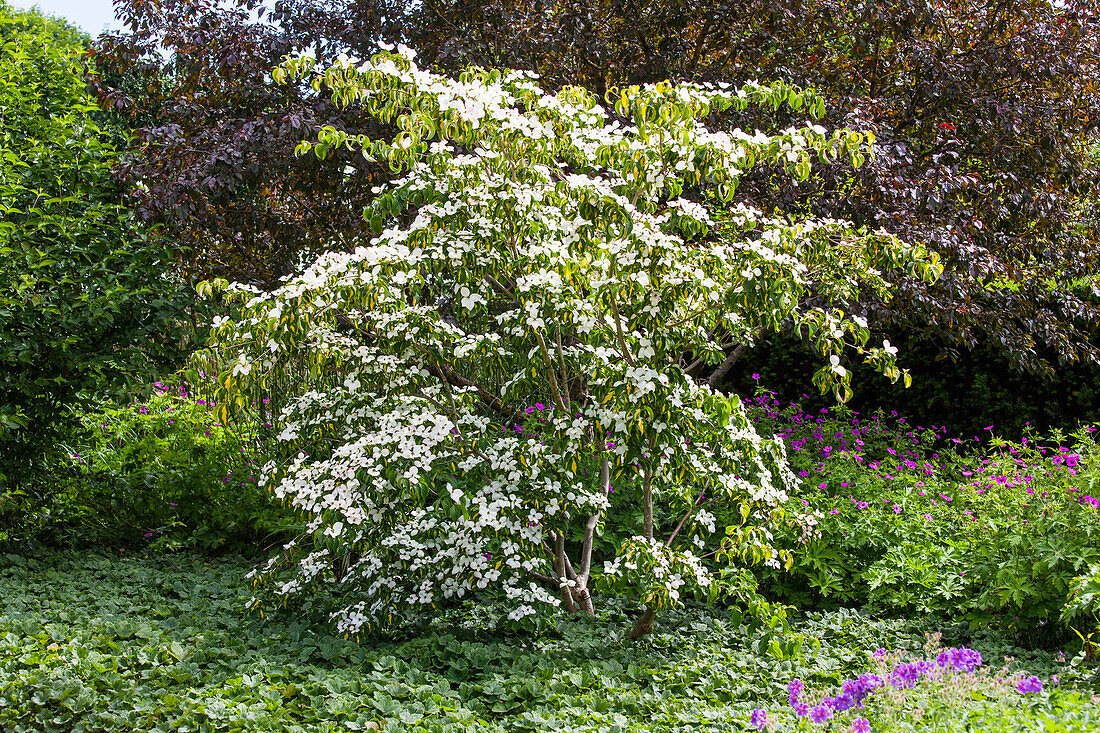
(644, 624)
(561, 567)
(582, 598)
(725, 367)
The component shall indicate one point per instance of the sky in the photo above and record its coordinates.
(91, 16)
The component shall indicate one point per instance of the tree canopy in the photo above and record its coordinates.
(212, 157)
(983, 114)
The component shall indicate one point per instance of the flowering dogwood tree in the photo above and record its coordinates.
(517, 343)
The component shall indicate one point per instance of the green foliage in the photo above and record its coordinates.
(86, 300)
(983, 114)
(164, 471)
(110, 643)
(1082, 610)
(593, 294)
(889, 517)
(977, 389)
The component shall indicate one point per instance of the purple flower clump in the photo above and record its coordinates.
(821, 713)
(906, 676)
(1030, 684)
(842, 702)
(758, 719)
(961, 659)
(794, 689)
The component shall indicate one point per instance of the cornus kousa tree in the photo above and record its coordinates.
(511, 358)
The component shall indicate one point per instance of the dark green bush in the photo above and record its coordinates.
(968, 394)
(88, 298)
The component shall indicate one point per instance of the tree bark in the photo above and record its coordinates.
(644, 624)
(582, 597)
(724, 368)
(561, 567)
(734, 356)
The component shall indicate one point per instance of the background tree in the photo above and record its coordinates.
(982, 111)
(87, 298)
(213, 152)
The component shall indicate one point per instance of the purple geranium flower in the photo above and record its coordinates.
(1030, 684)
(960, 659)
(821, 713)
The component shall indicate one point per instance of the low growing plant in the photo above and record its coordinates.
(945, 690)
(116, 643)
(894, 516)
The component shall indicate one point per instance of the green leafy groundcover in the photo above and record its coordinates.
(116, 643)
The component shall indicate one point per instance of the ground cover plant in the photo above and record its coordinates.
(113, 643)
(905, 519)
(943, 689)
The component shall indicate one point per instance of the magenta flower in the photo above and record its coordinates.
(861, 725)
(794, 689)
(759, 719)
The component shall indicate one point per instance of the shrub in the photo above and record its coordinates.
(542, 250)
(88, 301)
(159, 471)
